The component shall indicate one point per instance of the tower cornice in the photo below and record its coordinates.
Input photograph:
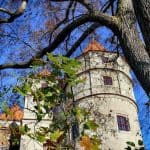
(96, 94)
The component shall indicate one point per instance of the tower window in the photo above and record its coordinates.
(105, 59)
(107, 80)
(75, 130)
(123, 123)
(15, 136)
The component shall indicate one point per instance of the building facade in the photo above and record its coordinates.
(9, 128)
(108, 92)
(31, 120)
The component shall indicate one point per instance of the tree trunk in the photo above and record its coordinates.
(142, 11)
(133, 48)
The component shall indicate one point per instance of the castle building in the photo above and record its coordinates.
(108, 92)
(9, 131)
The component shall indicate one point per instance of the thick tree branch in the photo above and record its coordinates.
(82, 37)
(142, 11)
(89, 30)
(13, 15)
(133, 48)
(97, 17)
(16, 65)
(61, 22)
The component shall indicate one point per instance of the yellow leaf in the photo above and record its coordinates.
(86, 142)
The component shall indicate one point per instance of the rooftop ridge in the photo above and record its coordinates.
(94, 46)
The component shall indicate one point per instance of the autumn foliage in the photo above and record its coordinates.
(13, 113)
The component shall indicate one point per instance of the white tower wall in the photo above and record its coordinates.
(108, 101)
(30, 119)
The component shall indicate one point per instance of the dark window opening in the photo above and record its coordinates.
(75, 130)
(107, 80)
(105, 59)
(14, 136)
(44, 85)
(123, 123)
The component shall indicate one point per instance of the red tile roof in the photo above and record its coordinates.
(94, 46)
(44, 73)
(15, 113)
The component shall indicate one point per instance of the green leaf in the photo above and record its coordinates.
(41, 138)
(95, 147)
(27, 88)
(49, 94)
(5, 108)
(95, 142)
(140, 142)
(38, 62)
(91, 124)
(79, 113)
(39, 117)
(56, 135)
(24, 129)
(19, 90)
(54, 59)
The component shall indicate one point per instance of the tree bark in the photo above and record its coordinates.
(133, 48)
(142, 11)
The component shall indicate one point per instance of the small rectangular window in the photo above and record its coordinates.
(123, 123)
(44, 85)
(75, 130)
(107, 80)
(105, 59)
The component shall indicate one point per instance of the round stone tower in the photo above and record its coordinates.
(108, 92)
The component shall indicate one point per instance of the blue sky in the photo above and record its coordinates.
(35, 19)
(144, 112)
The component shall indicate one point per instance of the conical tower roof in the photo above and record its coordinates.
(94, 46)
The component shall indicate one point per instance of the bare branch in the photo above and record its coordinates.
(6, 11)
(97, 17)
(107, 5)
(14, 15)
(19, 39)
(89, 30)
(82, 37)
(63, 21)
(16, 65)
(85, 3)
